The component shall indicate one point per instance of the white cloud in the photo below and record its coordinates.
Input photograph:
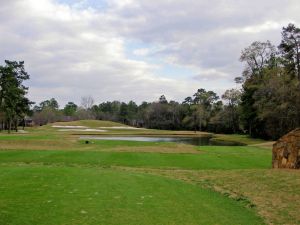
(71, 53)
(208, 34)
(76, 50)
(266, 26)
(141, 51)
(208, 74)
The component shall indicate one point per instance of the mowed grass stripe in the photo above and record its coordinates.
(209, 158)
(70, 195)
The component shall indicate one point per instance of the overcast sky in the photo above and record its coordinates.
(135, 49)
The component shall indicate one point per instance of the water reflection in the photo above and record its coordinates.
(198, 141)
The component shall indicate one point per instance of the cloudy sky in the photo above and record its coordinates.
(135, 49)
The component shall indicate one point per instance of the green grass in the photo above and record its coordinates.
(238, 138)
(274, 193)
(209, 158)
(52, 195)
(22, 137)
(51, 177)
(94, 144)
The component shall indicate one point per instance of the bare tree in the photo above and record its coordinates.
(257, 55)
(87, 102)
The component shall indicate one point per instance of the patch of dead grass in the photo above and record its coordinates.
(35, 145)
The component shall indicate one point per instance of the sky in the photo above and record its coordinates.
(135, 49)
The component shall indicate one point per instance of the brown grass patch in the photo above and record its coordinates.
(35, 145)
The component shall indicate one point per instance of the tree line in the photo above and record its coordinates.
(203, 111)
(266, 106)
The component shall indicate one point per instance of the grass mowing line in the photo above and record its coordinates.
(89, 196)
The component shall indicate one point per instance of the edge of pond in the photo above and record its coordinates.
(213, 139)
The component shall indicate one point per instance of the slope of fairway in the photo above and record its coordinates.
(62, 195)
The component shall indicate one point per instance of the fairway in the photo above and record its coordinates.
(64, 195)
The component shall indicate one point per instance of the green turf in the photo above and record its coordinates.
(95, 144)
(51, 177)
(22, 137)
(52, 195)
(208, 158)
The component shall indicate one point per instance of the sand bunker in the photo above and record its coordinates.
(83, 130)
(69, 127)
(77, 128)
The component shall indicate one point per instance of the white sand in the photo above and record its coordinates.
(68, 127)
(83, 130)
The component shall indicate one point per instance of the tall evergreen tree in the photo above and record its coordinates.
(290, 49)
(13, 101)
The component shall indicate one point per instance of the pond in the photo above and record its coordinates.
(198, 141)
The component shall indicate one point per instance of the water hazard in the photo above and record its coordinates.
(198, 141)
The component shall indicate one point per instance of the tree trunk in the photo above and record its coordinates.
(200, 128)
(250, 130)
(9, 126)
(16, 125)
(23, 124)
